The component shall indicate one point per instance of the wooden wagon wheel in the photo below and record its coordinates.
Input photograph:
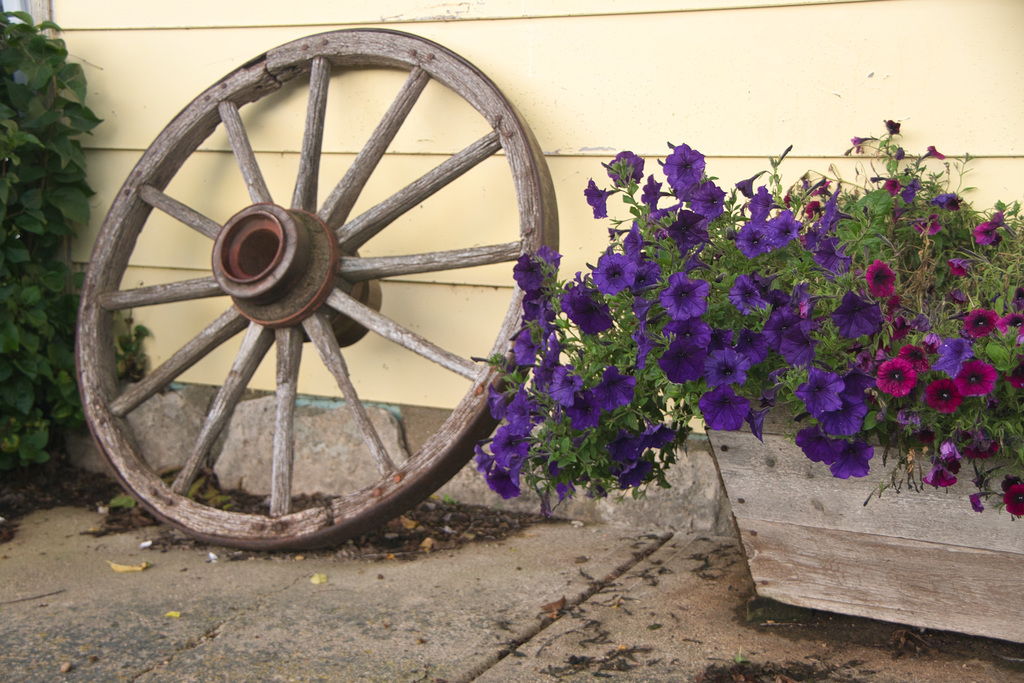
(293, 275)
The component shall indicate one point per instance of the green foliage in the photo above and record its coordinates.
(43, 199)
(131, 359)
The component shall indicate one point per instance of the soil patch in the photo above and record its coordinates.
(434, 524)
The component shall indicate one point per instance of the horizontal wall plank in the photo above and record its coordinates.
(930, 585)
(123, 14)
(750, 82)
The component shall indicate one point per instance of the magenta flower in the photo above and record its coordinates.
(896, 377)
(881, 280)
(940, 476)
(943, 396)
(958, 266)
(976, 378)
(986, 234)
(980, 322)
(932, 152)
(932, 227)
(1014, 500)
(916, 356)
(1016, 376)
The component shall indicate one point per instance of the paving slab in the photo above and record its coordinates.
(448, 615)
(559, 601)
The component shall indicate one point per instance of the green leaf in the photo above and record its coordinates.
(999, 356)
(71, 202)
(9, 337)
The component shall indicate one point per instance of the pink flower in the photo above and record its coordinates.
(1010, 320)
(1014, 500)
(980, 322)
(958, 266)
(932, 152)
(943, 396)
(881, 280)
(976, 378)
(916, 356)
(932, 227)
(896, 377)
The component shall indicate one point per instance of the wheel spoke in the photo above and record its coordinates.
(355, 269)
(389, 329)
(318, 327)
(244, 155)
(255, 344)
(354, 234)
(339, 203)
(304, 197)
(175, 209)
(289, 354)
(185, 290)
(219, 331)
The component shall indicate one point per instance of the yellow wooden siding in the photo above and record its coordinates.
(738, 81)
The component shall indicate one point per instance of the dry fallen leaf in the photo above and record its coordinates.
(427, 545)
(173, 614)
(554, 606)
(318, 579)
(122, 568)
(409, 524)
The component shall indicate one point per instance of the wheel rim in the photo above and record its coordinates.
(294, 274)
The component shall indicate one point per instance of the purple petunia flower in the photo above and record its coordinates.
(525, 348)
(847, 420)
(597, 199)
(830, 255)
(614, 389)
(693, 331)
(644, 345)
(528, 273)
(817, 446)
(745, 295)
(721, 338)
(753, 240)
(584, 413)
(583, 308)
(976, 503)
(626, 167)
(614, 273)
(564, 385)
(682, 361)
(651, 193)
(725, 366)
(909, 193)
(797, 347)
(648, 274)
(689, 230)
(948, 201)
(684, 168)
(853, 460)
(508, 446)
(723, 409)
(761, 205)
(752, 345)
(783, 229)
(708, 200)
(820, 393)
(684, 298)
(953, 353)
(856, 317)
(746, 187)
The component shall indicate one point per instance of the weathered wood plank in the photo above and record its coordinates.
(773, 481)
(183, 290)
(244, 154)
(931, 585)
(304, 196)
(289, 356)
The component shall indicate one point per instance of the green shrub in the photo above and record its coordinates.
(43, 198)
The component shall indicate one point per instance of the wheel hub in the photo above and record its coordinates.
(278, 265)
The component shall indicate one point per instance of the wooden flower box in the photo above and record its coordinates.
(924, 558)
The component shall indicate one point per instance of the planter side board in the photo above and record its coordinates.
(919, 558)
